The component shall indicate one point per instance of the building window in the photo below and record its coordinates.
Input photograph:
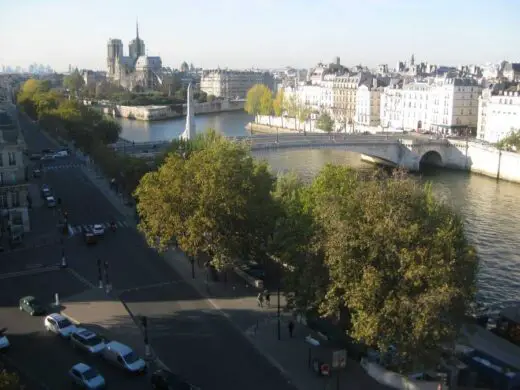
(12, 158)
(15, 199)
(1, 160)
(3, 201)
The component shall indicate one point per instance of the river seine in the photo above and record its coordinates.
(491, 209)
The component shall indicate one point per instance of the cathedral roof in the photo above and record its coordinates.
(148, 62)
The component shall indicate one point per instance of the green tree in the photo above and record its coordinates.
(25, 97)
(226, 211)
(325, 123)
(266, 102)
(278, 104)
(9, 381)
(107, 131)
(210, 98)
(293, 108)
(400, 270)
(45, 102)
(74, 82)
(303, 115)
(511, 141)
(254, 98)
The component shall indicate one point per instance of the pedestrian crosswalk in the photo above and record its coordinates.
(78, 229)
(61, 166)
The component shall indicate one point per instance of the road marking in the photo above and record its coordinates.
(32, 266)
(34, 271)
(81, 278)
(150, 286)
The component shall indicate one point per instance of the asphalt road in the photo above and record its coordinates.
(44, 357)
(188, 335)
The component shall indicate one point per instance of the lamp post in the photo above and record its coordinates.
(278, 325)
(108, 286)
(100, 273)
(147, 349)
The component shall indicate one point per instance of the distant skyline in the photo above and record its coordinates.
(261, 33)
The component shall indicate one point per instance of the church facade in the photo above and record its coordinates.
(137, 71)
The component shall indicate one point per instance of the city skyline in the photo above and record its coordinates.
(265, 34)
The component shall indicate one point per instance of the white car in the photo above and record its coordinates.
(86, 377)
(51, 202)
(98, 230)
(60, 325)
(4, 342)
(61, 153)
(87, 340)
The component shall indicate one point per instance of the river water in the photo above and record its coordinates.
(491, 209)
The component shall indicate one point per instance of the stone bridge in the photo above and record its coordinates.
(409, 152)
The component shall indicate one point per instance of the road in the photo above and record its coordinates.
(186, 332)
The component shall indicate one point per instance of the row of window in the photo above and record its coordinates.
(14, 197)
(11, 159)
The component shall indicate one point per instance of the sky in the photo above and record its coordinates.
(261, 33)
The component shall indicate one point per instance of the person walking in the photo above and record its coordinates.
(291, 328)
(260, 299)
(267, 296)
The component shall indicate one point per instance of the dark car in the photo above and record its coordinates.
(167, 380)
(32, 306)
(47, 151)
(35, 156)
(46, 191)
(254, 270)
(37, 173)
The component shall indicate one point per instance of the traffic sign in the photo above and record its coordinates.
(339, 359)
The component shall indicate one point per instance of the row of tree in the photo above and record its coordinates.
(87, 128)
(9, 381)
(260, 100)
(379, 255)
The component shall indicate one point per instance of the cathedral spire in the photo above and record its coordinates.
(137, 28)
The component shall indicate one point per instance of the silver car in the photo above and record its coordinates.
(88, 341)
(86, 377)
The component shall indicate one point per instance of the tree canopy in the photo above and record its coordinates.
(325, 122)
(214, 201)
(256, 99)
(74, 82)
(278, 103)
(385, 260)
(511, 142)
(9, 381)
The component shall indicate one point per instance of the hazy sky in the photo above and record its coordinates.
(261, 33)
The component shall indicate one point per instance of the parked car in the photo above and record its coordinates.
(86, 377)
(61, 153)
(87, 341)
(89, 237)
(37, 173)
(124, 357)
(32, 306)
(98, 230)
(35, 157)
(56, 323)
(51, 201)
(47, 151)
(47, 157)
(45, 191)
(166, 380)
(4, 342)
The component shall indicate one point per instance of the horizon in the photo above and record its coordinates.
(281, 34)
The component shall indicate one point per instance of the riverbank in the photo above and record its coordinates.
(161, 112)
(266, 129)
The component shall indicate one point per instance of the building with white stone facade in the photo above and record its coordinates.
(344, 92)
(233, 84)
(368, 105)
(440, 105)
(498, 113)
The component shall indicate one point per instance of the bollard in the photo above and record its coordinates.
(100, 284)
(56, 300)
(63, 262)
(108, 288)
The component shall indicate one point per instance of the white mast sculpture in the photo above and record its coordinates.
(189, 132)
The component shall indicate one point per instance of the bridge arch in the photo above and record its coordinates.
(431, 158)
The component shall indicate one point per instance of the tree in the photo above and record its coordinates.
(9, 381)
(253, 104)
(400, 270)
(74, 82)
(266, 102)
(26, 95)
(46, 101)
(293, 108)
(216, 202)
(210, 98)
(511, 141)
(325, 123)
(278, 104)
(107, 131)
(303, 115)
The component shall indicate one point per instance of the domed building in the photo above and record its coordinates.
(135, 71)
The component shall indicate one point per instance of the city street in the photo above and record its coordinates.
(186, 332)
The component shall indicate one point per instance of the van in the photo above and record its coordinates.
(124, 357)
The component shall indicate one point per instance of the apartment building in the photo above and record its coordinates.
(231, 84)
(416, 106)
(344, 89)
(14, 216)
(368, 105)
(392, 107)
(498, 113)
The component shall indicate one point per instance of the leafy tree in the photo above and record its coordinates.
(25, 97)
(181, 94)
(210, 98)
(303, 115)
(266, 102)
(46, 101)
(9, 381)
(107, 131)
(325, 122)
(253, 104)
(226, 212)
(511, 142)
(292, 107)
(74, 82)
(400, 270)
(278, 104)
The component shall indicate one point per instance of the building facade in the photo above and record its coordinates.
(344, 93)
(392, 107)
(14, 216)
(498, 113)
(232, 84)
(368, 105)
(416, 106)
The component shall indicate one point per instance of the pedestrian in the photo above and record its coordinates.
(260, 299)
(291, 328)
(267, 298)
